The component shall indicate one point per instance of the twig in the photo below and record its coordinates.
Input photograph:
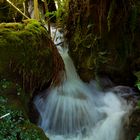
(17, 9)
(47, 9)
(4, 115)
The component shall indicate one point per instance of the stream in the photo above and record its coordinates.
(75, 110)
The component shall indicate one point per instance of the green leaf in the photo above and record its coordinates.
(138, 85)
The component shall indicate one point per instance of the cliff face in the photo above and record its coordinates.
(103, 38)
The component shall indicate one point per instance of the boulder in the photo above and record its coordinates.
(27, 55)
(29, 63)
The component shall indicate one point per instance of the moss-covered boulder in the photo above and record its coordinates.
(14, 103)
(16, 125)
(29, 62)
(27, 54)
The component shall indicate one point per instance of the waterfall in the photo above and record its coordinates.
(75, 110)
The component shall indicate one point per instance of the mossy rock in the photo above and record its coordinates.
(29, 62)
(16, 97)
(16, 125)
(32, 132)
(26, 54)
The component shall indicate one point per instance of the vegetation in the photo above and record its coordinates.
(8, 13)
(138, 86)
(103, 38)
(16, 126)
(137, 74)
(25, 46)
(138, 137)
(27, 58)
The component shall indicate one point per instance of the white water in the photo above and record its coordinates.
(76, 110)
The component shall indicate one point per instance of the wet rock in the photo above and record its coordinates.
(123, 90)
(104, 45)
(132, 128)
(128, 93)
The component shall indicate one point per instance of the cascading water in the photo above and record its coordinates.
(75, 110)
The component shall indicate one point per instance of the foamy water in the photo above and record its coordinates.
(76, 110)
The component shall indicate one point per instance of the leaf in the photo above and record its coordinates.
(137, 74)
(138, 85)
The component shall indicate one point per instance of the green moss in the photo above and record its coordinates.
(32, 132)
(12, 26)
(137, 84)
(16, 125)
(25, 53)
(15, 95)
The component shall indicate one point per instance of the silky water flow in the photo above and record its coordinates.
(75, 110)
